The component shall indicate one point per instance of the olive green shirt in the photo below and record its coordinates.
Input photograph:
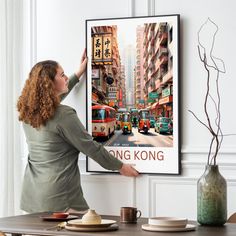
(52, 176)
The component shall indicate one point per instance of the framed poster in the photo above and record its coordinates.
(133, 101)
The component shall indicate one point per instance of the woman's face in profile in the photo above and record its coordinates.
(61, 81)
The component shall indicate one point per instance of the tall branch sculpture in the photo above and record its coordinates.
(211, 64)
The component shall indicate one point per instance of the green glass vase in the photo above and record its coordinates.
(212, 197)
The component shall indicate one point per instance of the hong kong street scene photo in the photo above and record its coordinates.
(132, 84)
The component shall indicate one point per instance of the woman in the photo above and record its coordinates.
(55, 137)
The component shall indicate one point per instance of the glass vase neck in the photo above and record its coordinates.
(214, 167)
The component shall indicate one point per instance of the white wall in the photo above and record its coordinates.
(60, 34)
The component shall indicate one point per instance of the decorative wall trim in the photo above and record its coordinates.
(204, 150)
(3, 39)
(172, 180)
(151, 7)
(132, 8)
(33, 31)
(107, 178)
(114, 179)
(167, 181)
(202, 161)
(183, 182)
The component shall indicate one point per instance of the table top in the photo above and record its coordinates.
(32, 224)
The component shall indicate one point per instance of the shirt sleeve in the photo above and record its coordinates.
(73, 132)
(73, 80)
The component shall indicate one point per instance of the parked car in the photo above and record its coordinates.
(152, 121)
(164, 125)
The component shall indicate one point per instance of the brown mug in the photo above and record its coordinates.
(129, 214)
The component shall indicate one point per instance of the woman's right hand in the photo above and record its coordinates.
(128, 170)
(83, 65)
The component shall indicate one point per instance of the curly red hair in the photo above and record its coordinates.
(38, 100)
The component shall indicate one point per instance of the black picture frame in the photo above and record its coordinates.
(138, 62)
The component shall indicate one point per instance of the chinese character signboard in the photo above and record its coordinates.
(133, 91)
(102, 48)
(107, 53)
(97, 48)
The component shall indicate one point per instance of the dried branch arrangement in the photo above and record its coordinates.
(213, 67)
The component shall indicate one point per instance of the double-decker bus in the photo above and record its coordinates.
(103, 121)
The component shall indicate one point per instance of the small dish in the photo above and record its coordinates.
(112, 227)
(154, 228)
(51, 217)
(60, 214)
(78, 223)
(168, 222)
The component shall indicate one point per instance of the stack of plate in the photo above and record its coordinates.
(77, 225)
(168, 224)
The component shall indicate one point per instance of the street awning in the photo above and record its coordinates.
(154, 105)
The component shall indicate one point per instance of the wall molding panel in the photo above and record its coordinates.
(33, 31)
(230, 150)
(173, 192)
(107, 193)
(166, 191)
(132, 8)
(151, 7)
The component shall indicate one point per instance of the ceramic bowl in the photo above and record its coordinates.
(91, 217)
(168, 222)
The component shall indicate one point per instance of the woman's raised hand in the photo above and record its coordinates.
(83, 65)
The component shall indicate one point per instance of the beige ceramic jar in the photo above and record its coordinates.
(91, 217)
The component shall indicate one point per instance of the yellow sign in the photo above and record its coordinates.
(102, 49)
(107, 50)
(97, 47)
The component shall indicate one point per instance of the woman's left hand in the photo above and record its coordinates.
(128, 170)
(83, 65)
